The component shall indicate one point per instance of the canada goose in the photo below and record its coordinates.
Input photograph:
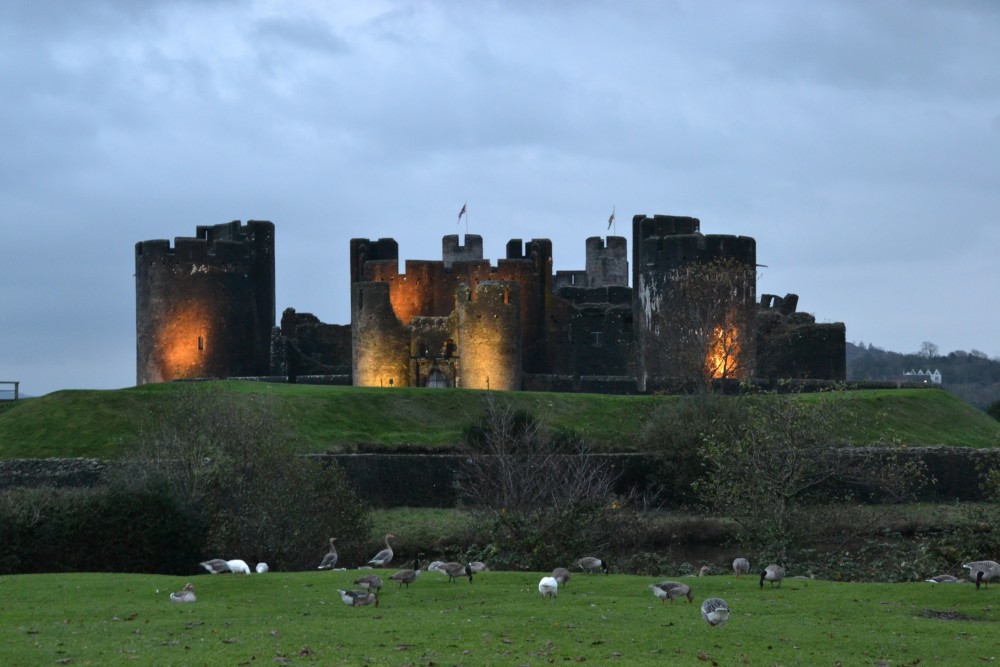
(384, 557)
(407, 576)
(590, 564)
(330, 559)
(479, 566)
(548, 587)
(944, 579)
(561, 575)
(262, 568)
(237, 566)
(186, 594)
(358, 598)
(671, 590)
(216, 566)
(981, 571)
(436, 566)
(369, 582)
(741, 566)
(715, 611)
(453, 570)
(772, 573)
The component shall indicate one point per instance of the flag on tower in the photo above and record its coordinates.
(461, 213)
(611, 220)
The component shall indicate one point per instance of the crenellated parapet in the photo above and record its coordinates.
(205, 306)
(607, 261)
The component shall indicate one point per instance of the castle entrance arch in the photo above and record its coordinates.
(436, 379)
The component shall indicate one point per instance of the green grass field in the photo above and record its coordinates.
(500, 619)
(95, 423)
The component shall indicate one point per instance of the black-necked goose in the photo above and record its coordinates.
(384, 557)
(981, 571)
(454, 570)
(671, 590)
(330, 559)
(591, 564)
(715, 611)
(358, 598)
(407, 576)
(772, 573)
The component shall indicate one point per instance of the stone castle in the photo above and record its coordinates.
(205, 308)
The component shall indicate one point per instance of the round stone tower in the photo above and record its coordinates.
(381, 356)
(205, 307)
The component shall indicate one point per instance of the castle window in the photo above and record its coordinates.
(449, 348)
(597, 338)
(201, 343)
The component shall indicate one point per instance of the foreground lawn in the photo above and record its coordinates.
(298, 618)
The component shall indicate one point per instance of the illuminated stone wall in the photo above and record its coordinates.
(205, 307)
(489, 323)
(381, 344)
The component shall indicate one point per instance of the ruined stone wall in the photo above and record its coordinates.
(303, 345)
(205, 307)
(791, 344)
(489, 342)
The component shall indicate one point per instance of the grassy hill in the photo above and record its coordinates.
(96, 423)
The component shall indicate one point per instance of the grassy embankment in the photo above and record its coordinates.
(298, 618)
(96, 423)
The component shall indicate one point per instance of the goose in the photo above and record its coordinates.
(944, 579)
(358, 598)
(772, 573)
(330, 559)
(590, 564)
(407, 576)
(186, 594)
(262, 568)
(369, 582)
(237, 566)
(384, 557)
(548, 587)
(671, 590)
(454, 570)
(436, 566)
(741, 566)
(715, 611)
(479, 566)
(561, 575)
(981, 571)
(216, 566)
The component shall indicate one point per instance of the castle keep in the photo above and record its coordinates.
(205, 308)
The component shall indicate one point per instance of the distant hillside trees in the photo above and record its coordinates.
(972, 376)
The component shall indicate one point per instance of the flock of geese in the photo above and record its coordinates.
(715, 611)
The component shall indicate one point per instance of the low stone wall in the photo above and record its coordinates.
(429, 480)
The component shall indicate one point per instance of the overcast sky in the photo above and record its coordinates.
(858, 142)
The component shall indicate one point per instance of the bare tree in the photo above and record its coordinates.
(773, 468)
(928, 350)
(546, 497)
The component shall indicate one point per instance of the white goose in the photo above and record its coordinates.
(715, 611)
(186, 594)
(384, 557)
(330, 559)
(237, 566)
(548, 587)
(262, 568)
